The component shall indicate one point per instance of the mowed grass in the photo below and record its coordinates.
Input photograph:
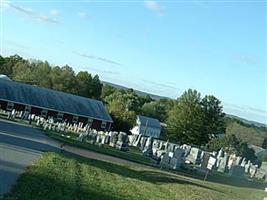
(56, 176)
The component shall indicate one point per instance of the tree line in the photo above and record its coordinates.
(190, 118)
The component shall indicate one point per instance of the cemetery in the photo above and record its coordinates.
(163, 154)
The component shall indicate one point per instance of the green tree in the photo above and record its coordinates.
(123, 118)
(83, 84)
(264, 143)
(96, 87)
(157, 109)
(214, 123)
(185, 120)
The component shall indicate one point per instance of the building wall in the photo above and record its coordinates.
(96, 124)
(149, 131)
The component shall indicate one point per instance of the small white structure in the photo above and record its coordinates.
(259, 152)
(146, 126)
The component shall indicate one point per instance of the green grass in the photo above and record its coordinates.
(56, 176)
(134, 154)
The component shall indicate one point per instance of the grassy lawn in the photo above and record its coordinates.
(56, 176)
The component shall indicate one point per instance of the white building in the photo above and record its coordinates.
(147, 126)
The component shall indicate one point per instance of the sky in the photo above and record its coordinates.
(160, 47)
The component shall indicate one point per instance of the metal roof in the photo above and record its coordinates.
(5, 77)
(53, 100)
(148, 121)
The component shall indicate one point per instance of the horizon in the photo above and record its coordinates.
(153, 46)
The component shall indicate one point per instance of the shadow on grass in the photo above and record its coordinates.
(154, 177)
(44, 188)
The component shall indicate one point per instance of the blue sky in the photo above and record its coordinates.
(161, 47)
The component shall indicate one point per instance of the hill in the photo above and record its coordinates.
(138, 92)
(249, 133)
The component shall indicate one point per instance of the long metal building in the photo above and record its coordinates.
(50, 103)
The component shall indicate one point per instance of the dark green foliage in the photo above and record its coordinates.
(123, 106)
(232, 144)
(195, 120)
(158, 109)
(44, 75)
(264, 144)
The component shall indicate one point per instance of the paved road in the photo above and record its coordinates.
(19, 147)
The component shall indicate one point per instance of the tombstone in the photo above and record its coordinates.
(91, 136)
(194, 156)
(148, 147)
(260, 174)
(82, 136)
(122, 143)
(177, 159)
(161, 145)
(155, 144)
(205, 161)
(223, 163)
(142, 143)
(165, 161)
(137, 140)
(170, 147)
(247, 167)
(243, 162)
(238, 160)
(252, 170)
(237, 171)
(107, 138)
(131, 139)
(232, 161)
(113, 138)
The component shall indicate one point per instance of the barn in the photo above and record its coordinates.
(50, 103)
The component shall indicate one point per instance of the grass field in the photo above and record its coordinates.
(56, 176)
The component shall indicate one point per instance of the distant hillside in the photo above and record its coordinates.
(246, 132)
(138, 92)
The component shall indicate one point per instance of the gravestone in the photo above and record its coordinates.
(260, 174)
(243, 163)
(148, 147)
(194, 156)
(223, 163)
(247, 167)
(205, 161)
(136, 143)
(122, 142)
(237, 171)
(253, 170)
(177, 159)
(142, 143)
(113, 138)
(165, 161)
(232, 161)
(91, 137)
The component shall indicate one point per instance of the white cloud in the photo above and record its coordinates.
(54, 12)
(102, 59)
(154, 6)
(30, 13)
